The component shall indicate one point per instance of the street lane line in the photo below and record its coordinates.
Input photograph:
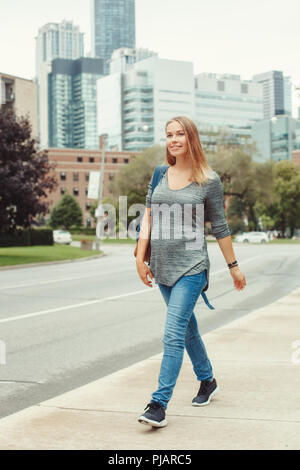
(52, 281)
(68, 307)
(97, 301)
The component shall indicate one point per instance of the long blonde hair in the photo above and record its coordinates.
(201, 170)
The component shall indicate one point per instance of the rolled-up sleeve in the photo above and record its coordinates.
(215, 208)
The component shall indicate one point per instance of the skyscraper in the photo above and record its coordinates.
(276, 93)
(113, 26)
(54, 40)
(58, 40)
(72, 86)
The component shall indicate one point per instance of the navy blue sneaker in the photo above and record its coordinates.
(155, 415)
(206, 391)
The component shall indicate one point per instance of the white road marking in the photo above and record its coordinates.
(51, 281)
(97, 301)
(68, 307)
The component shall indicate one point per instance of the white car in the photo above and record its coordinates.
(62, 236)
(253, 237)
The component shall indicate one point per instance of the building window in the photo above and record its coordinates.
(126, 160)
(79, 159)
(244, 88)
(63, 176)
(88, 206)
(115, 160)
(75, 176)
(62, 190)
(87, 177)
(111, 176)
(221, 85)
(76, 191)
(91, 160)
(86, 191)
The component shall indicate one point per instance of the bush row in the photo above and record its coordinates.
(27, 238)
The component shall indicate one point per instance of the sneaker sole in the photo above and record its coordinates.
(206, 402)
(154, 424)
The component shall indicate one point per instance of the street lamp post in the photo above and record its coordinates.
(103, 141)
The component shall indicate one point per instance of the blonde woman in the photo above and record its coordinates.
(181, 269)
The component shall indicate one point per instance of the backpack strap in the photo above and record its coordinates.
(157, 176)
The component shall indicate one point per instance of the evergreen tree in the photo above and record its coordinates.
(66, 213)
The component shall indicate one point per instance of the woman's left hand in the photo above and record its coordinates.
(239, 279)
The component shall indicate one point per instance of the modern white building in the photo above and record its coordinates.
(135, 103)
(54, 41)
(225, 103)
(277, 93)
(123, 59)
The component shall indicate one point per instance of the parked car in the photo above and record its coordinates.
(252, 237)
(62, 236)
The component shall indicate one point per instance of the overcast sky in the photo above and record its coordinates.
(223, 36)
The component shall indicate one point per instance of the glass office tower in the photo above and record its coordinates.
(54, 41)
(73, 103)
(276, 92)
(113, 26)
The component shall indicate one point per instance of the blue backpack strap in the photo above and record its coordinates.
(157, 176)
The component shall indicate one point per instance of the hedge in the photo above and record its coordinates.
(27, 238)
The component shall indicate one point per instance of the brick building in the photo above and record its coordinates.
(72, 174)
(296, 157)
(20, 95)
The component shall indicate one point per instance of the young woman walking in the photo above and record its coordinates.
(180, 268)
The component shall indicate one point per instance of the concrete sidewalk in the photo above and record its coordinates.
(256, 362)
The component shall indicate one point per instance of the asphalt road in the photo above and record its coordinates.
(65, 325)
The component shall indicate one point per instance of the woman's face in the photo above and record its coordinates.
(176, 139)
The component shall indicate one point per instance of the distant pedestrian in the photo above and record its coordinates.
(181, 271)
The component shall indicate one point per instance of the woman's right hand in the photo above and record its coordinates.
(144, 271)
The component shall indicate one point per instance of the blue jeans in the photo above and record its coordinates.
(181, 331)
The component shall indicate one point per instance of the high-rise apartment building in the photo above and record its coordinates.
(54, 40)
(72, 88)
(58, 40)
(113, 26)
(20, 95)
(225, 103)
(276, 93)
(135, 105)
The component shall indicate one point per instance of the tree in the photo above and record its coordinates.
(287, 190)
(244, 182)
(66, 213)
(132, 180)
(25, 174)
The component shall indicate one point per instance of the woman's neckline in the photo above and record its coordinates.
(180, 189)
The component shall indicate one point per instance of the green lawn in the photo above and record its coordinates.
(39, 254)
(77, 237)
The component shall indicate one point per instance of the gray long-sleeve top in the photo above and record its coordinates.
(173, 257)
